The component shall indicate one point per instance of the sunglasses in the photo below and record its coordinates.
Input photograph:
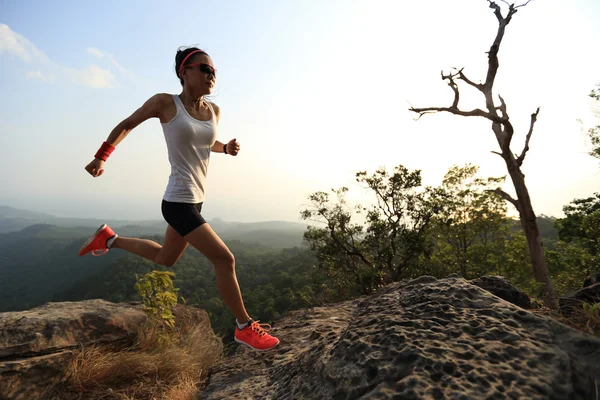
(204, 68)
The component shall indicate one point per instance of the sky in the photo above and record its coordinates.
(314, 91)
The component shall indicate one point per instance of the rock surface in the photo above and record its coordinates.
(502, 288)
(35, 345)
(421, 339)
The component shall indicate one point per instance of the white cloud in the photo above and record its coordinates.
(18, 45)
(41, 76)
(95, 52)
(111, 59)
(94, 76)
(119, 67)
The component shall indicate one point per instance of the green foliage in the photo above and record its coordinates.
(594, 132)
(569, 263)
(547, 229)
(159, 297)
(459, 227)
(581, 222)
(359, 258)
(471, 225)
(592, 310)
(592, 314)
(40, 260)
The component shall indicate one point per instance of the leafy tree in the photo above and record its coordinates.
(581, 222)
(595, 131)
(470, 222)
(503, 129)
(579, 253)
(570, 263)
(359, 258)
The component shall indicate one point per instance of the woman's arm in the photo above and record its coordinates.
(152, 108)
(233, 147)
(218, 147)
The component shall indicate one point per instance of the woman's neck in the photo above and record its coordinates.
(196, 102)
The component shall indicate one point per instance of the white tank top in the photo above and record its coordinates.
(188, 144)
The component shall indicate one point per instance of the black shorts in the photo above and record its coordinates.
(183, 217)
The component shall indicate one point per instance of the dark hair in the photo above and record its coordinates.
(182, 53)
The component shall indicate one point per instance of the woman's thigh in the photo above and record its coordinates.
(173, 247)
(206, 241)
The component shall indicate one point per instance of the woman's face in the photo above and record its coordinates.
(199, 73)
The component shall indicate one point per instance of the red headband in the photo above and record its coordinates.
(186, 57)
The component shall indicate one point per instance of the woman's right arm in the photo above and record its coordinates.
(152, 108)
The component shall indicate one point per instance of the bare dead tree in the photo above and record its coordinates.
(503, 129)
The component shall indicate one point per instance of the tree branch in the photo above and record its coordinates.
(523, 5)
(350, 251)
(462, 76)
(506, 128)
(493, 53)
(526, 148)
(454, 87)
(502, 107)
(506, 197)
(497, 11)
(473, 113)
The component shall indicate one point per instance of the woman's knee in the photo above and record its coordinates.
(224, 259)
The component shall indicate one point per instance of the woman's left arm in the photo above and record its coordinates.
(231, 148)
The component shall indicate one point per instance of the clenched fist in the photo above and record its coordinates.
(95, 168)
(233, 147)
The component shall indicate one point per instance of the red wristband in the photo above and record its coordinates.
(104, 151)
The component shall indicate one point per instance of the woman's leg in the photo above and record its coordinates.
(166, 255)
(206, 241)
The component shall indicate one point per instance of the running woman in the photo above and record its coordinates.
(189, 124)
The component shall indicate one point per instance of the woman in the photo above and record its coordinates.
(189, 124)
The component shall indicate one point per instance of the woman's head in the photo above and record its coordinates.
(194, 66)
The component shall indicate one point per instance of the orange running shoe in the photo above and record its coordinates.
(97, 243)
(255, 335)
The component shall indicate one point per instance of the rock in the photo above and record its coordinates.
(499, 286)
(36, 345)
(54, 327)
(418, 339)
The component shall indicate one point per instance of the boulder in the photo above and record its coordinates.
(419, 339)
(499, 286)
(37, 344)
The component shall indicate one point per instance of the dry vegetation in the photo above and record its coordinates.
(584, 321)
(146, 370)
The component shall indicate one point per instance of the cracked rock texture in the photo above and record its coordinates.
(419, 339)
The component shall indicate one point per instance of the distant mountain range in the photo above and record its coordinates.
(14, 219)
(278, 234)
(38, 252)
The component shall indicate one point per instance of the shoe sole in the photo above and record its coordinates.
(90, 239)
(254, 348)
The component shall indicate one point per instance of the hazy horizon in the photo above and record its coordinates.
(126, 219)
(314, 92)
